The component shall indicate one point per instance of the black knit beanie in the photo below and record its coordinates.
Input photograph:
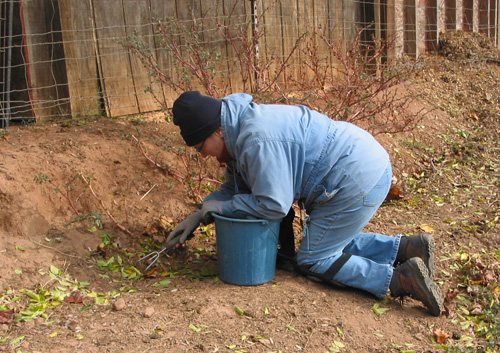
(197, 116)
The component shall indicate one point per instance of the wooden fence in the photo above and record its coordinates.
(66, 57)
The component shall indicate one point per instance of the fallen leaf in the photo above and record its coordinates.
(426, 228)
(378, 310)
(153, 272)
(163, 284)
(197, 329)
(451, 295)
(75, 297)
(394, 194)
(6, 316)
(17, 340)
(479, 264)
(336, 346)
(440, 336)
(239, 311)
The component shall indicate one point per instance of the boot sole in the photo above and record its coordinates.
(431, 267)
(433, 302)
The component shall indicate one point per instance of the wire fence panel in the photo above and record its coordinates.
(79, 57)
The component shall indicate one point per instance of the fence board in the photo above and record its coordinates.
(467, 15)
(79, 54)
(291, 31)
(160, 10)
(350, 15)
(483, 17)
(45, 58)
(189, 13)
(431, 26)
(336, 27)
(117, 82)
(324, 20)
(271, 47)
(212, 17)
(410, 24)
(493, 20)
(305, 23)
(136, 14)
(449, 20)
(237, 16)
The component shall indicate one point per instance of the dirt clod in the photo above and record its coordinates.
(119, 304)
(149, 312)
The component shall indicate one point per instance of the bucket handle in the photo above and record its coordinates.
(268, 226)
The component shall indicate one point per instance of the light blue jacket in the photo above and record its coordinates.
(284, 153)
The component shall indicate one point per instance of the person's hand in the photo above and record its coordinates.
(186, 227)
(210, 207)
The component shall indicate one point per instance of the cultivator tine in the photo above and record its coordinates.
(155, 255)
(152, 257)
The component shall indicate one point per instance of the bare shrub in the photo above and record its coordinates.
(356, 82)
(364, 87)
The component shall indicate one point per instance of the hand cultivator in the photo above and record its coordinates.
(153, 256)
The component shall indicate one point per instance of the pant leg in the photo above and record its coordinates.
(286, 236)
(377, 247)
(332, 228)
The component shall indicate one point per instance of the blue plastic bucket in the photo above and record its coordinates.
(246, 249)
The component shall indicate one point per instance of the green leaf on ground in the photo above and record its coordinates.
(239, 311)
(163, 284)
(378, 310)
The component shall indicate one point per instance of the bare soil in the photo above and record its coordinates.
(75, 193)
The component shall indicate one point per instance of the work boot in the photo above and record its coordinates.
(412, 279)
(421, 246)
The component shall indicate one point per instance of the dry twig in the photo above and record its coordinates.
(122, 228)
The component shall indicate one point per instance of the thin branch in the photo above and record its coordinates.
(66, 196)
(50, 247)
(146, 194)
(122, 228)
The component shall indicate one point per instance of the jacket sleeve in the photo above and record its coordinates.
(267, 166)
(232, 185)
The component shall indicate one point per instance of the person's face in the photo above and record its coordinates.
(214, 146)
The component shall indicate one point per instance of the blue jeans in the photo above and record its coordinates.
(334, 228)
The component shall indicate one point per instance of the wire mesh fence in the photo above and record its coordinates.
(79, 58)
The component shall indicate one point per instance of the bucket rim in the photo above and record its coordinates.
(240, 220)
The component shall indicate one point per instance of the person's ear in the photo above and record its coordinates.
(220, 133)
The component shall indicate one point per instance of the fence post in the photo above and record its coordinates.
(8, 65)
(255, 33)
(497, 22)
